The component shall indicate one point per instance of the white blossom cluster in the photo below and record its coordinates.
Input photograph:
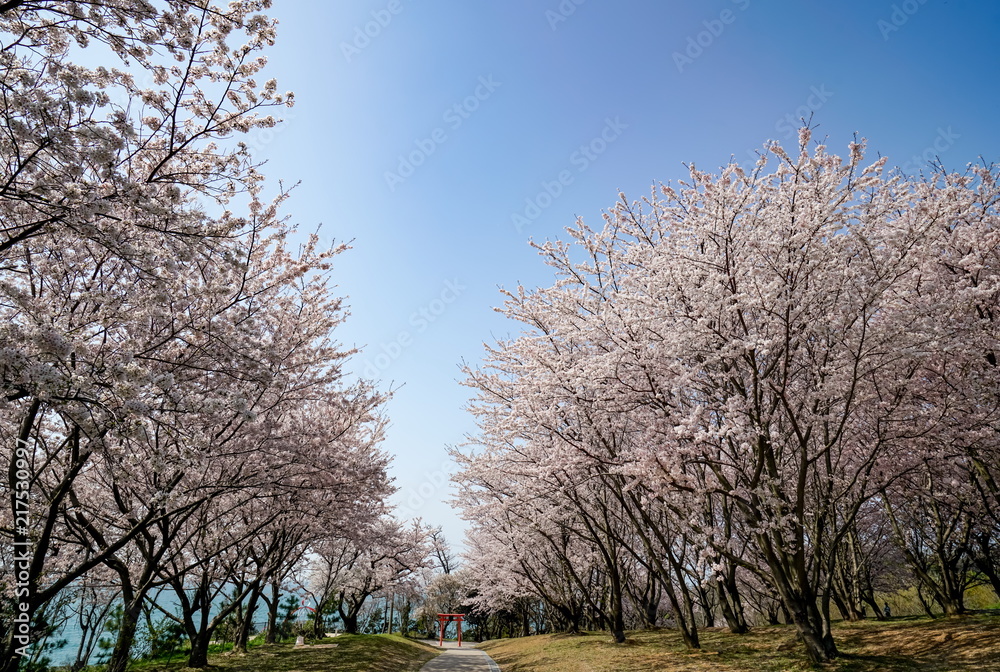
(748, 396)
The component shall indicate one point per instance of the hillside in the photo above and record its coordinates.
(902, 645)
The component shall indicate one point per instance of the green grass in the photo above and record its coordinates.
(900, 645)
(905, 602)
(346, 653)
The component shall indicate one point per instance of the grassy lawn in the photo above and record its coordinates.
(901, 645)
(347, 653)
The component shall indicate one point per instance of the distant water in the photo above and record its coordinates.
(72, 633)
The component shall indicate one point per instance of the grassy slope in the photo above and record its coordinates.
(904, 645)
(347, 653)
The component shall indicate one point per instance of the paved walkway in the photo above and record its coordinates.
(465, 659)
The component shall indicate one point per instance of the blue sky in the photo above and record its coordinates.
(441, 136)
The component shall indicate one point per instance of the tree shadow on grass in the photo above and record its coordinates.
(352, 653)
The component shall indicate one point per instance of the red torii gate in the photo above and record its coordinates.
(444, 620)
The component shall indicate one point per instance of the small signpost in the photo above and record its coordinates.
(445, 619)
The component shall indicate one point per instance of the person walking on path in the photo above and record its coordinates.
(465, 659)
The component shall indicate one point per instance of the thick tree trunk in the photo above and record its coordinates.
(404, 618)
(734, 622)
(120, 656)
(949, 604)
(845, 612)
(246, 623)
(651, 611)
(199, 650)
(733, 591)
(799, 601)
(133, 596)
(272, 614)
(199, 633)
(617, 620)
(819, 649)
(869, 599)
(846, 578)
(685, 609)
(200, 630)
(826, 622)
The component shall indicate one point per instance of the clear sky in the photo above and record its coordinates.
(441, 136)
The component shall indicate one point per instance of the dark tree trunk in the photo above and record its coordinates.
(272, 614)
(133, 596)
(120, 656)
(199, 634)
(706, 606)
(846, 613)
(734, 622)
(684, 611)
(199, 650)
(404, 618)
(617, 624)
(651, 611)
(246, 623)
(869, 599)
(798, 600)
(820, 647)
(786, 616)
(923, 601)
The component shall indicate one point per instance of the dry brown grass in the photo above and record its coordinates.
(902, 645)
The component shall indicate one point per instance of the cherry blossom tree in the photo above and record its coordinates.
(349, 571)
(166, 361)
(755, 355)
(103, 228)
(509, 566)
(443, 553)
(445, 593)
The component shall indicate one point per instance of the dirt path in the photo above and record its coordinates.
(464, 659)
